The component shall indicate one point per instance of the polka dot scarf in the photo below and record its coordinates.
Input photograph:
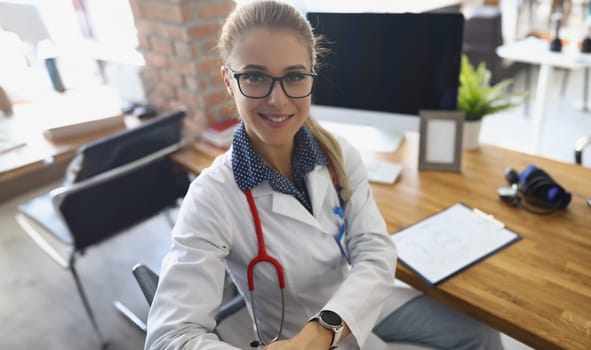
(250, 170)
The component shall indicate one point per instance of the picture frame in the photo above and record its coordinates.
(440, 145)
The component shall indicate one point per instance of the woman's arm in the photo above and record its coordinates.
(359, 300)
(192, 276)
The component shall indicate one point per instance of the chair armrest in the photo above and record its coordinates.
(230, 307)
(147, 280)
(42, 242)
(579, 146)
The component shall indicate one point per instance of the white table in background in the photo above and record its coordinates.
(536, 51)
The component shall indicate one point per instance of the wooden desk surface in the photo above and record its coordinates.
(538, 290)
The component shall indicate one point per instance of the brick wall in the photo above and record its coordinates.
(178, 39)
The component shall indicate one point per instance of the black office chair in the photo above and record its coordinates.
(111, 185)
(148, 282)
(579, 147)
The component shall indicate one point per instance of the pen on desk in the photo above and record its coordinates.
(488, 217)
(10, 147)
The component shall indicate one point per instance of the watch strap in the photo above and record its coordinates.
(337, 331)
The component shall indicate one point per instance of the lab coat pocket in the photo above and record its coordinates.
(330, 265)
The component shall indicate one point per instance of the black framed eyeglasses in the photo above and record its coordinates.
(260, 85)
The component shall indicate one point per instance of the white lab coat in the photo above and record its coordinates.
(215, 229)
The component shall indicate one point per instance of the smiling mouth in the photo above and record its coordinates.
(276, 118)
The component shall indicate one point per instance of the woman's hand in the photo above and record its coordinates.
(312, 337)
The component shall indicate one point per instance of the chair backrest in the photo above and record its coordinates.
(121, 148)
(112, 186)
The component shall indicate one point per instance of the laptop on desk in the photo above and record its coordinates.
(75, 113)
(8, 141)
(84, 127)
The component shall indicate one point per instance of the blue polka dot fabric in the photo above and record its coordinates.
(250, 170)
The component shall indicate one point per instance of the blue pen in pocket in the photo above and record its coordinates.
(341, 234)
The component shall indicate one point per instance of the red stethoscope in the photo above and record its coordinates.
(264, 257)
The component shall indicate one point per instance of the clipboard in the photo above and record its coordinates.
(450, 241)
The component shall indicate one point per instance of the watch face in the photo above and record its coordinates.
(331, 318)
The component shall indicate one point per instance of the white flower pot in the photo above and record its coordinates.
(471, 134)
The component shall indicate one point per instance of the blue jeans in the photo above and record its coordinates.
(427, 322)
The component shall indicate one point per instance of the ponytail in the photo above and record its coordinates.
(329, 143)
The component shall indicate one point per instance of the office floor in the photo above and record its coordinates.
(40, 309)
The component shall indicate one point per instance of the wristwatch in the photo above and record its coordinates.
(331, 321)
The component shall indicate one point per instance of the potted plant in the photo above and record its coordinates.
(477, 98)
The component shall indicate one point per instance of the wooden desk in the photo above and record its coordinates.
(538, 290)
(41, 161)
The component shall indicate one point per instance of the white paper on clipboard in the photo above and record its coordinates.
(450, 241)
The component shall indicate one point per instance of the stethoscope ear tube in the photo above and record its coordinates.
(261, 340)
(262, 257)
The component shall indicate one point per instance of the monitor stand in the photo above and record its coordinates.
(369, 138)
(366, 130)
(365, 137)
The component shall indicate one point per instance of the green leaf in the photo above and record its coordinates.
(477, 98)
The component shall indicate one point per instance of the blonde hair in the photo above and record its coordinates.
(274, 14)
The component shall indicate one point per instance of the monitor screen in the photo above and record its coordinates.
(389, 62)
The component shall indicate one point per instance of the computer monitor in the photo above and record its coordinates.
(383, 68)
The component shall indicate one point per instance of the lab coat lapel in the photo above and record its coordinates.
(289, 206)
(318, 182)
(283, 204)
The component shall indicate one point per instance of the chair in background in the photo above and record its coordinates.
(482, 35)
(579, 147)
(148, 282)
(111, 185)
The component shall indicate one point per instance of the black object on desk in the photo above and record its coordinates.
(536, 188)
(586, 45)
(142, 111)
(54, 74)
(556, 43)
(5, 104)
(145, 111)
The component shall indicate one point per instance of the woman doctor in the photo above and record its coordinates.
(291, 195)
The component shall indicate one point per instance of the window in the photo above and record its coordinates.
(77, 33)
